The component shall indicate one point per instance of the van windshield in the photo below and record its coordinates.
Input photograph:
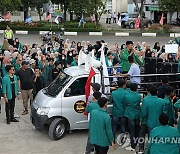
(57, 85)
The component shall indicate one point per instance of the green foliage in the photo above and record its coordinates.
(87, 7)
(156, 28)
(39, 4)
(169, 5)
(40, 26)
(9, 5)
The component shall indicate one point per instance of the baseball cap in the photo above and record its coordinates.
(24, 62)
(96, 86)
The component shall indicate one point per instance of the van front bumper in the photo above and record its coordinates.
(38, 120)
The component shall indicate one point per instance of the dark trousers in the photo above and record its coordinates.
(114, 20)
(142, 134)
(134, 127)
(115, 121)
(107, 20)
(9, 107)
(89, 146)
(10, 41)
(101, 150)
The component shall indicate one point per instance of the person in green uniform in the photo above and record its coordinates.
(101, 135)
(129, 51)
(117, 99)
(75, 61)
(144, 128)
(10, 91)
(132, 112)
(152, 108)
(92, 106)
(128, 83)
(164, 139)
(177, 105)
(168, 105)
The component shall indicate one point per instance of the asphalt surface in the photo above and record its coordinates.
(21, 138)
(109, 38)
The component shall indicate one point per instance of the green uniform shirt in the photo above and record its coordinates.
(132, 103)
(152, 108)
(74, 63)
(169, 110)
(92, 106)
(128, 90)
(117, 99)
(100, 128)
(161, 141)
(7, 88)
(125, 63)
(177, 105)
(144, 119)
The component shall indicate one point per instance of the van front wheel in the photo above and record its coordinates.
(57, 129)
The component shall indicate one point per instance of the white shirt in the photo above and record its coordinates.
(134, 70)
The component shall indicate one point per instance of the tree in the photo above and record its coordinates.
(64, 3)
(79, 7)
(39, 5)
(140, 10)
(25, 6)
(9, 5)
(96, 7)
(170, 6)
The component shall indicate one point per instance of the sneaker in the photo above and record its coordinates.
(16, 116)
(25, 112)
(129, 148)
(14, 120)
(140, 152)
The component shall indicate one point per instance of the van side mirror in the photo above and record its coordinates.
(67, 92)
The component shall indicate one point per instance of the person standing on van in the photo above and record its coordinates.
(8, 34)
(10, 91)
(25, 75)
(125, 53)
(117, 99)
(101, 135)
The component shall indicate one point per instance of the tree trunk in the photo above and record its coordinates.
(39, 13)
(170, 17)
(25, 14)
(71, 15)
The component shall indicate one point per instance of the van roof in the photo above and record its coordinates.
(78, 70)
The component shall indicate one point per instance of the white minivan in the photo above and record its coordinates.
(61, 105)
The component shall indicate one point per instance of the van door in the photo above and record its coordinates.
(74, 103)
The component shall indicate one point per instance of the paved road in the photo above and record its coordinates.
(21, 138)
(110, 39)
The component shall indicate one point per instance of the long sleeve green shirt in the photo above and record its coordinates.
(100, 128)
(117, 99)
(132, 105)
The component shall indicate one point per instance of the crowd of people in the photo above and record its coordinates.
(155, 115)
(29, 68)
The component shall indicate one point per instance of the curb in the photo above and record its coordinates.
(117, 34)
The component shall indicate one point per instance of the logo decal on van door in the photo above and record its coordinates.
(80, 106)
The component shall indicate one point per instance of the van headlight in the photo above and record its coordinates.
(43, 110)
